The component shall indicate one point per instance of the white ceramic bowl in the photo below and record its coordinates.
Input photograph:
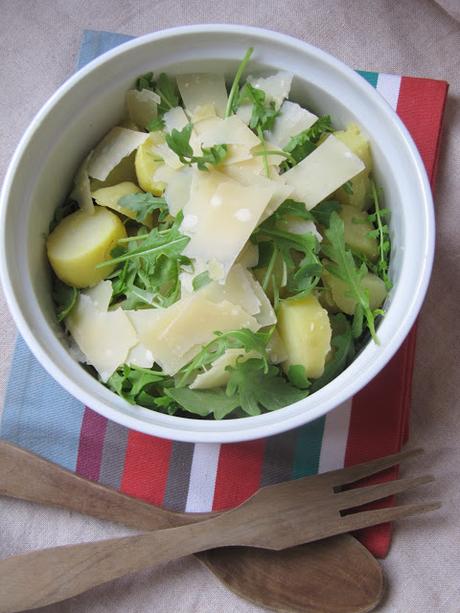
(90, 102)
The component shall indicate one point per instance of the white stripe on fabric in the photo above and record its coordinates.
(335, 438)
(202, 477)
(388, 86)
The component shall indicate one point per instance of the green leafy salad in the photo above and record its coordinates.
(224, 251)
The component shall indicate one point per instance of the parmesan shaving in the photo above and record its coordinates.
(116, 145)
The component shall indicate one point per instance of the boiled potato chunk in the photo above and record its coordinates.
(357, 142)
(109, 197)
(147, 163)
(361, 188)
(80, 242)
(360, 185)
(357, 228)
(305, 330)
(340, 291)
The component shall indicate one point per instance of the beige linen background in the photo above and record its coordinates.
(39, 42)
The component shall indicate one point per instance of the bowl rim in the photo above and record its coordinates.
(247, 428)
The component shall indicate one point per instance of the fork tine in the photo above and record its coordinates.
(361, 495)
(364, 519)
(342, 476)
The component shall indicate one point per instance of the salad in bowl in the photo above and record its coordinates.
(224, 252)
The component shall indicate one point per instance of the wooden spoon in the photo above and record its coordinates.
(336, 575)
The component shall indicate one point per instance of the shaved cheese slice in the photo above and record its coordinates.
(229, 131)
(238, 289)
(249, 255)
(244, 112)
(220, 217)
(266, 315)
(82, 187)
(217, 375)
(176, 334)
(276, 87)
(177, 192)
(94, 333)
(196, 325)
(175, 119)
(206, 111)
(269, 149)
(297, 225)
(116, 145)
(169, 157)
(237, 154)
(142, 106)
(140, 356)
(292, 120)
(164, 174)
(203, 88)
(101, 295)
(249, 163)
(109, 197)
(280, 191)
(323, 171)
(276, 350)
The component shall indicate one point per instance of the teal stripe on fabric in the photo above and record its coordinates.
(371, 77)
(308, 448)
(38, 413)
(95, 42)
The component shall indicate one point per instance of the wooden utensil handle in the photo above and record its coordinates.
(29, 477)
(51, 575)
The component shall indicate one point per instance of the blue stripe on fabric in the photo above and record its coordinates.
(38, 413)
(95, 42)
(308, 448)
(371, 77)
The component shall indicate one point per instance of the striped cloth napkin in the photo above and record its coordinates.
(203, 477)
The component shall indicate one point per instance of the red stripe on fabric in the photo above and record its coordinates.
(377, 423)
(421, 106)
(91, 444)
(238, 473)
(146, 467)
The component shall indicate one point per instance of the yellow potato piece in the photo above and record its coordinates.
(147, 163)
(80, 242)
(357, 228)
(305, 330)
(353, 138)
(360, 185)
(109, 197)
(341, 294)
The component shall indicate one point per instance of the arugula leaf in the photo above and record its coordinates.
(144, 205)
(201, 280)
(232, 103)
(65, 298)
(150, 267)
(343, 266)
(156, 124)
(322, 212)
(130, 382)
(204, 402)
(179, 142)
(304, 143)
(298, 377)
(235, 339)
(167, 90)
(343, 351)
(145, 81)
(382, 233)
(259, 388)
(348, 187)
(263, 114)
(299, 252)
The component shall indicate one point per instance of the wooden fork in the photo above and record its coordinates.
(275, 517)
